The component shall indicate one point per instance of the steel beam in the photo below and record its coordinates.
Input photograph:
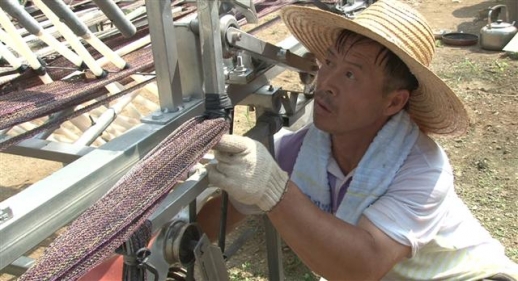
(267, 125)
(211, 48)
(49, 150)
(165, 54)
(269, 52)
(190, 61)
(238, 92)
(19, 266)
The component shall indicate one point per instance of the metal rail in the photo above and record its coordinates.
(51, 203)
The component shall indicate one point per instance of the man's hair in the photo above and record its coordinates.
(396, 72)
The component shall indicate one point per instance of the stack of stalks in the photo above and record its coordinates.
(51, 41)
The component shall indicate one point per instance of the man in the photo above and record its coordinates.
(369, 194)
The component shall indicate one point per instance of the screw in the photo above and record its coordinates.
(157, 115)
(282, 53)
(5, 214)
(240, 67)
(236, 36)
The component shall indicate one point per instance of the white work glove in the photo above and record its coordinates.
(248, 172)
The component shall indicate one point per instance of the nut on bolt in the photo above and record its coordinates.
(236, 36)
(157, 115)
(282, 54)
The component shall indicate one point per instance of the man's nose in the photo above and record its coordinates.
(324, 92)
(328, 83)
(325, 87)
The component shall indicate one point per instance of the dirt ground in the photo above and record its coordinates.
(485, 160)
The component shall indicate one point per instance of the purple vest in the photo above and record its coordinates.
(289, 148)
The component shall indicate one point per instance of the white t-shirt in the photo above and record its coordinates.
(421, 209)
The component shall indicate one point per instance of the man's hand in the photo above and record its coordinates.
(248, 172)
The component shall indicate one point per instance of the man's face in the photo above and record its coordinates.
(348, 96)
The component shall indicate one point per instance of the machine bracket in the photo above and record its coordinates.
(210, 260)
(5, 214)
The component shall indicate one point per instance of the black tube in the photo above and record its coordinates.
(82, 66)
(67, 16)
(103, 75)
(224, 202)
(223, 222)
(114, 13)
(217, 106)
(15, 10)
(22, 68)
(41, 71)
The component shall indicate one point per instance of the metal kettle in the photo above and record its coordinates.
(495, 35)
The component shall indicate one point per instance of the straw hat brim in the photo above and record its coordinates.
(433, 106)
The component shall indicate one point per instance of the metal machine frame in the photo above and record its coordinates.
(37, 212)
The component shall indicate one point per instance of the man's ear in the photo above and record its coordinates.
(396, 101)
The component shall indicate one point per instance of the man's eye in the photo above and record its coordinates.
(327, 62)
(349, 75)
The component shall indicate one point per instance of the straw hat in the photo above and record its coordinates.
(433, 106)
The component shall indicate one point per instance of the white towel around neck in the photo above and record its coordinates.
(374, 174)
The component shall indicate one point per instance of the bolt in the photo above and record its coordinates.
(157, 115)
(187, 98)
(240, 67)
(236, 36)
(5, 214)
(282, 53)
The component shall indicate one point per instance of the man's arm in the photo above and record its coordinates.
(328, 245)
(331, 247)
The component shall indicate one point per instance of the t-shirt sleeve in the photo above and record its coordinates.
(415, 205)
